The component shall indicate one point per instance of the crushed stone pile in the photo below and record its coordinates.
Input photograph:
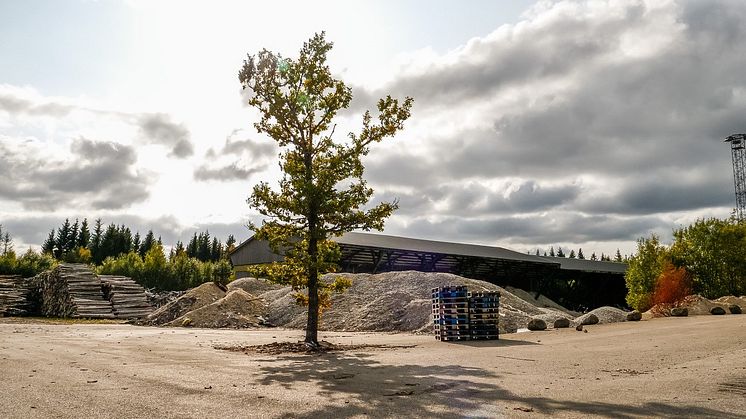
(696, 305)
(254, 286)
(237, 310)
(604, 314)
(386, 302)
(398, 302)
(539, 300)
(193, 299)
(729, 299)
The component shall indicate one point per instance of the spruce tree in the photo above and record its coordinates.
(49, 244)
(580, 254)
(560, 253)
(84, 237)
(572, 254)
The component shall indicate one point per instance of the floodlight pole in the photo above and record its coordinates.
(737, 146)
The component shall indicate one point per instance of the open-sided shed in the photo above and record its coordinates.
(597, 282)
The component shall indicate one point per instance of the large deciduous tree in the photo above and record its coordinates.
(322, 193)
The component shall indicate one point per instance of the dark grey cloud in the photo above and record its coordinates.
(158, 128)
(225, 173)
(99, 175)
(614, 126)
(238, 159)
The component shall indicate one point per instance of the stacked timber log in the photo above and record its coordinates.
(73, 290)
(128, 298)
(14, 296)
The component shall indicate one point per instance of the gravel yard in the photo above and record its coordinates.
(671, 367)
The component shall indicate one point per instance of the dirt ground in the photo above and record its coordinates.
(668, 367)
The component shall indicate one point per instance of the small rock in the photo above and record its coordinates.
(679, 312)
(186, 322)
(579, 328)
(561, 323)
(589, 319)
(734, 309)
(537, 324)
(585, 330)
(718, 311)
(634, 316)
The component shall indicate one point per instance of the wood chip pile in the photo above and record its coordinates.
(14, 296)
(128, 299)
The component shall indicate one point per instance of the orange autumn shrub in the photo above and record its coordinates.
(672, 285)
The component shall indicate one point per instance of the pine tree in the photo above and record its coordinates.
(618, 257)
(72, 239)
(84, 237)
(560, 253)
(136, 242)
(96, 242)
(551, 251)
(580, 254)
(593, 256)
(537, 252)
(572, 254)
(49, 244)
(63, 234)
(192, 247)
(147, 244)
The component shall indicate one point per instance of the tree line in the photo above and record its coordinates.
(706, 258)
(75, 242)
(579, 255)
(27, 265)
(115, 250)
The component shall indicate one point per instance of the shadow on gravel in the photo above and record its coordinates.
(353, 384)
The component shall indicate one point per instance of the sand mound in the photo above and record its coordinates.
(397, 301)
(238, 309)
(253, 285)
(195, 298)
(729, 299)
(695, 304)
(605, 314)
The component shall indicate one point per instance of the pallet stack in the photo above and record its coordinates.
(128, 298)
(451, 313)
(462, 315)
(484, 315)
(14, 296)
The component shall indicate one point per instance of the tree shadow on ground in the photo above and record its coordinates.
(351, 384)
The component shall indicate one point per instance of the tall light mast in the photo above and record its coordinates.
(737, 146)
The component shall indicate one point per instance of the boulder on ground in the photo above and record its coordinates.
(537, 324)
(734, 309)
(589, 319)
(679, 312)
(561, 323)
(634, 316)
(718, 311)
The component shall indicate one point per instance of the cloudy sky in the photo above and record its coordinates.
(566, 123)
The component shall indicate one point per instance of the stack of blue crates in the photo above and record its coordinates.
(451, 313)
(484, 315)
(462, 315)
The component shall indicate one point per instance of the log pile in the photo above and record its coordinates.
(128, 298)
(14, 296)
(73, 290)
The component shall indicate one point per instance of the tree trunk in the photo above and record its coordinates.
(312, 326)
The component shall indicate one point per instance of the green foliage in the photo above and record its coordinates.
(155, 271)
(643, 272)
(713, 250)
(322, 191)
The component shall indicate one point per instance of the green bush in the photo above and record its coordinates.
(643, 271)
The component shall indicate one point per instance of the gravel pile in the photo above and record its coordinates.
(605, 314)
(237, 310)
(193, 299)
(398, 302)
